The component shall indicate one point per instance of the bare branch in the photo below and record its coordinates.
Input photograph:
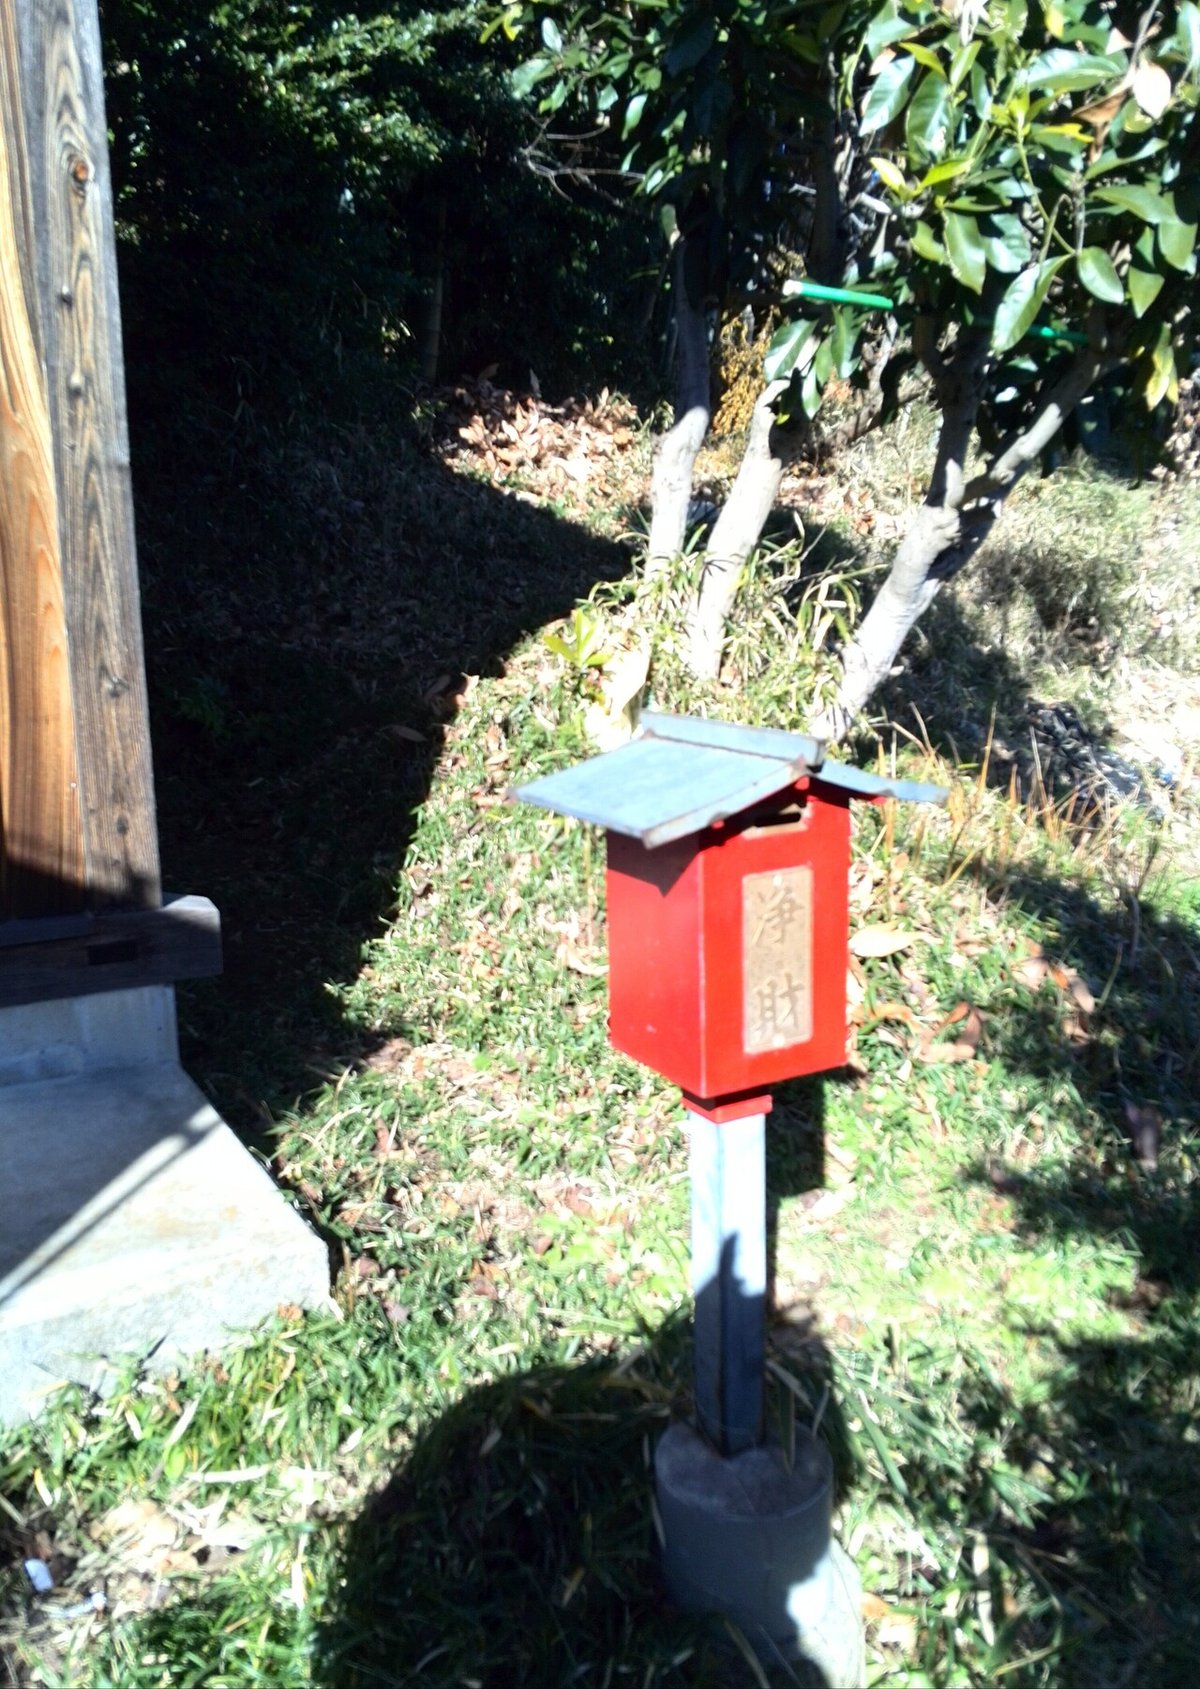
(1026, 447)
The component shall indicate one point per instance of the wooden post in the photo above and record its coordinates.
(77, 825)
(61, 330)
(41, 828)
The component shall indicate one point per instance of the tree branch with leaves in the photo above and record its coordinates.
(1001, 196)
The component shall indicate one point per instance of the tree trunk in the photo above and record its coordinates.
(905, 595)
(945, 534)
(737, 531)
(675, 456)
(431, 333)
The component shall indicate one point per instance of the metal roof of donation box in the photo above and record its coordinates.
(681, 774)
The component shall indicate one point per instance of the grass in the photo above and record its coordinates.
(984, 1299)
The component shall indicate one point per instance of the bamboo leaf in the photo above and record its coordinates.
(1162, 382)
(1189, 34)
(1061, 70)
(1146, 203)
(945, 172)
(925, 56)
(1005, 242)
(926, 126)
(926, 244)
(690, 45)
(1151, 88)
(633, 115)
(1144, 288)
(1098, 274)
(891, 175)
(968, 260)
(1177, 242)
(887, 93)
(787, 345)
(885, 27)
(1022, 302)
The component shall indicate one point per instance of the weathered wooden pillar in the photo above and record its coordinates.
(78, 801)
(77, 827)
(89, 947)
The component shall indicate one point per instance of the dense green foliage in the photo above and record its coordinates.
(291, 179)
(987, 167)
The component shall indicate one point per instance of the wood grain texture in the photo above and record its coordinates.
(74, 956)
(41, 839)
(76, 283)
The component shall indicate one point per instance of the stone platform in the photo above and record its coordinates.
(132, 1221)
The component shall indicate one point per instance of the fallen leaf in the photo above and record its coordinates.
(1151, 88)
(826, 1203)
(895, 1630)
(891, 1011)
(880, 940)
(948, 1053)
(138, 1536)
(435, 691)
(972, 1029)
(578, 964)
(969, 1022)
(1032, 972)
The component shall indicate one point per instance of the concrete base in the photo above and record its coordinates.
(751, 1538)
(132, 1221)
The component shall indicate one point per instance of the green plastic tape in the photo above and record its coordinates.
(841, 296)
(1043, 331)
(805, 289)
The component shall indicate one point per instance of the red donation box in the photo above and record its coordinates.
(728, 924)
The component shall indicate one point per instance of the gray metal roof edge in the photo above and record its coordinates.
(862, 783)
(775, 776)
(770, 774)
(774, 742)
(777, 743)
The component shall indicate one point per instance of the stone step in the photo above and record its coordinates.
(132, 1221)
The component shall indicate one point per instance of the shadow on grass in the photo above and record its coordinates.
(1116, 1539)
(303, 672)
(976, 703)
(517, 1545)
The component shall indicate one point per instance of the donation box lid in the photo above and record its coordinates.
(681, 774)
